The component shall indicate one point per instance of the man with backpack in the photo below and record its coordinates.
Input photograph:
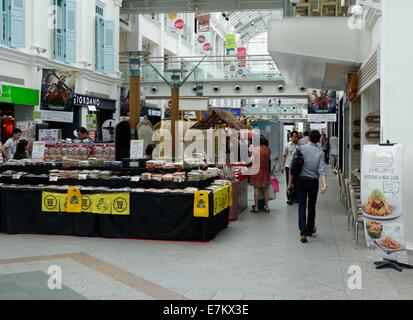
(307, 166)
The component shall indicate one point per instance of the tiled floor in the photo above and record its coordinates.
(257, 257)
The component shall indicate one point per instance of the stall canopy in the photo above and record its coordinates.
(218, 117)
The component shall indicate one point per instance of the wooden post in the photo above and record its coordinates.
(174, 117)
(134, 104)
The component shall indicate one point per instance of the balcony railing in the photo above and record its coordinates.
(324, 8)
(254, 67)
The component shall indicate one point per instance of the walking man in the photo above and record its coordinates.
(307, 185)
(287, 156)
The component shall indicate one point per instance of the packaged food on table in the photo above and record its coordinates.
(146, 176)
(168, 177)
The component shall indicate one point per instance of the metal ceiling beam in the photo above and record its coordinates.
(165, 6)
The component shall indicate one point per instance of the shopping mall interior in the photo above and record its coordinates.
(280, 129)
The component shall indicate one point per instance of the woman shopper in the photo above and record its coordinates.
(21, 150)
(261, 179)
(307, 185)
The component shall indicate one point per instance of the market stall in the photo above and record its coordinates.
(35, 199)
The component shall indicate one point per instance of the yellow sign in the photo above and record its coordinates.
(101, 203)
(221, 199)
(172, 15)
(50, 202)
(74, 200)
(120, 203)
(105, 203)
(201, 204)
(230, 41)
(230, 195)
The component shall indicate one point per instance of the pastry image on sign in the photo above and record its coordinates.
(201, 204)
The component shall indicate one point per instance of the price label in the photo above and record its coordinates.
(53, 178)
(135, 179)
(82, 176)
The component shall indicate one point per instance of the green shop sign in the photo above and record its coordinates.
(19, 95)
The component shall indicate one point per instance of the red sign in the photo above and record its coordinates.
(242, 57)
(207, 46)
(179, 24)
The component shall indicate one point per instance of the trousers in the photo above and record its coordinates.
(307, 189)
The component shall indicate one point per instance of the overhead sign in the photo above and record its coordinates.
(193, 104)
(57, 116)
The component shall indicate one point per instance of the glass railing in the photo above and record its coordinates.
(260, 67)
(317, 8)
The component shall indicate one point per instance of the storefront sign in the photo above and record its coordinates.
(136, 149)
(221, 201)
(38, 150)
(382, 206)
(104, 203)
(19, 95)
(88, 101)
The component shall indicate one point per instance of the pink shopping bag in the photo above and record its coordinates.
(275, 184)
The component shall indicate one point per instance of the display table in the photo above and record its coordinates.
(152, 216)
(239, 198)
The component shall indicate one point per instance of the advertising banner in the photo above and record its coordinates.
(58, 90)
(230, 41)
(204, 22)
(381, 196)
(242, 57)
(323, 104)
(204, 42)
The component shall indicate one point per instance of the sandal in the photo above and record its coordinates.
(253, 210)
(267, 210)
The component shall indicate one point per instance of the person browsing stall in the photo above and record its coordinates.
(9, 148)
(21, 150)
(83, 135)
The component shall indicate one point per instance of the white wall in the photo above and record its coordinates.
(396, 91)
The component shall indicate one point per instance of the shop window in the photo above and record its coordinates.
(64, 35)
(12, 23)
(104, 42)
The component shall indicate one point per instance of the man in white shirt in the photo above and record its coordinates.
(9, 148)
(287, 157)
(305, 139)
(334, 152)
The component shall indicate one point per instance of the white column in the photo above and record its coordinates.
(116, 16)
(396, 92)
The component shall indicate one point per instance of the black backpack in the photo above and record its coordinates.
(297, 163)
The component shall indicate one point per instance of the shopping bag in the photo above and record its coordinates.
(275, 184)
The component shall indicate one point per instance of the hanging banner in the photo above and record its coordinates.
(381, 196)
(203, 41)
(322, 106)
(50, 202)
(242, 57)
(120, 203)
(221, 201)
(201, 204)
(175, 23)
(204, 22)
(230, 41)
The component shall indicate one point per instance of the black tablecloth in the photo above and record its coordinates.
(153, 216)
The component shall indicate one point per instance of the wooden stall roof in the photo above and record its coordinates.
(216, 117)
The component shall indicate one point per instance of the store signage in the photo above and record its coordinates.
(1, 89)
(105, 203)
(82, 100)
(38, 150)
(136, 149)
(201, 204)
(91, 122)
(154, 112)
(382, 206)
(135, 66)
(327, 117)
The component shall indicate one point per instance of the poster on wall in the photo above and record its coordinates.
(382, 206)
(322, 106)
(57, 93)
(204, 22)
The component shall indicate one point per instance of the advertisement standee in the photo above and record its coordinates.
(382, 206)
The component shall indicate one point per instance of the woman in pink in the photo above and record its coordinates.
(261, 179)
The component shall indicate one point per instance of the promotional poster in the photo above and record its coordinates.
(58, 90)
(322, 106)
(381, 198)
